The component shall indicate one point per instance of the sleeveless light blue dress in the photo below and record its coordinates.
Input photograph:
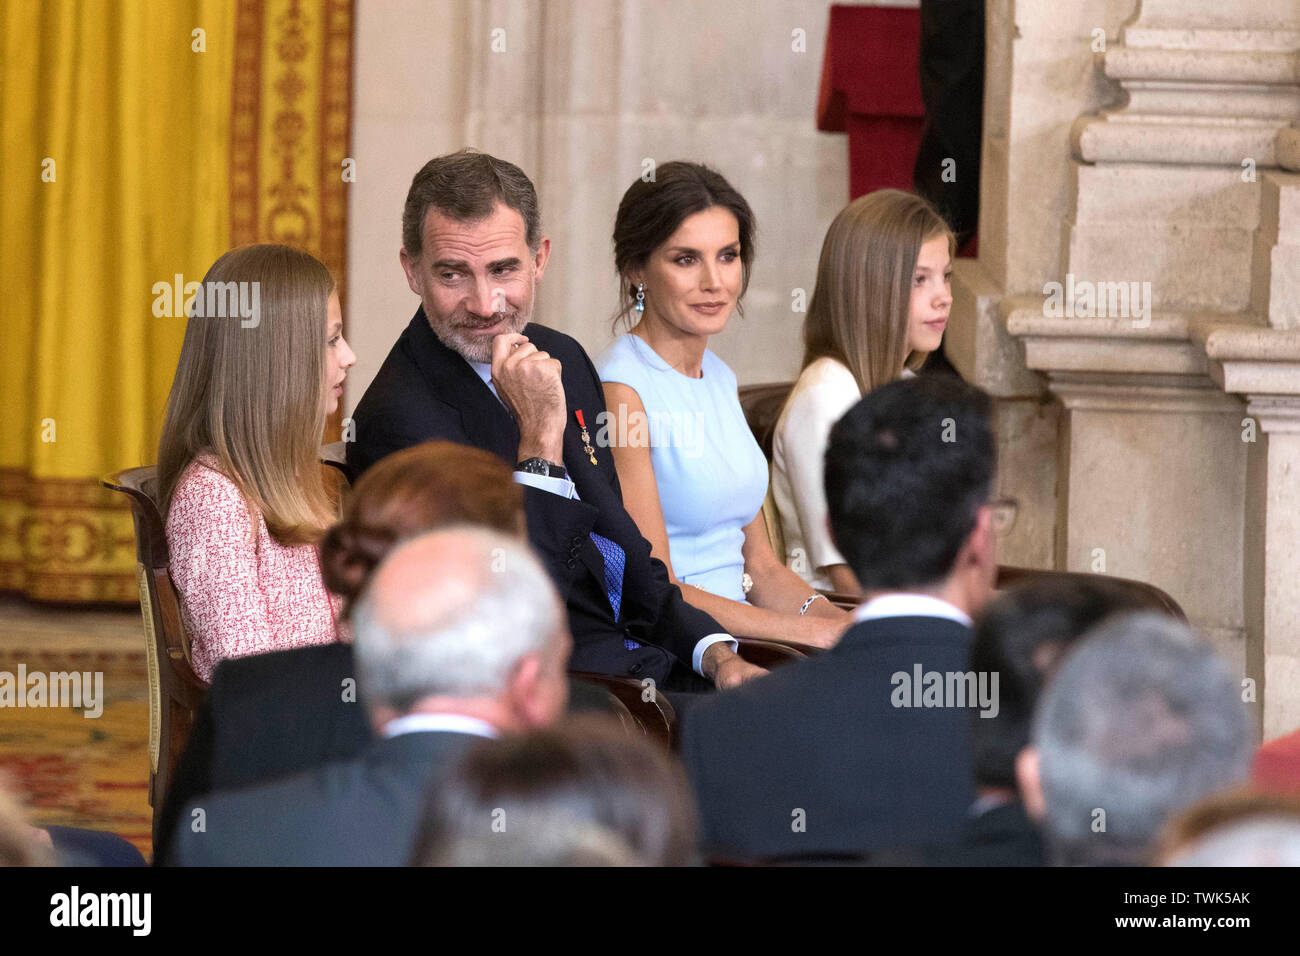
(712, 475)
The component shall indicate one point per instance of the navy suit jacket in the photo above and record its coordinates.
(273, 715)
(360, 812)
(266, 716)
(813, 760)
(426, 391)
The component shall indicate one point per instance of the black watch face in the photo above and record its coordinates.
(539, 466)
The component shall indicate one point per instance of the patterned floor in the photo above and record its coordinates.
(72, 770)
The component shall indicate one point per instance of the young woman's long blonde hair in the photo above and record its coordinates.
(253, 395)
(860, 305)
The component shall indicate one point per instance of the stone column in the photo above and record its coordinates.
(1174, 233)
(1264, 365)
(1040, 75)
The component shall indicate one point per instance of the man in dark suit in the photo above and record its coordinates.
(272, 715)
(459, 635)
(266, 716)
(470, 368)
(867, 746)
(1021, 635)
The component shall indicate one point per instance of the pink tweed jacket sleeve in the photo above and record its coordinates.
(241, 592)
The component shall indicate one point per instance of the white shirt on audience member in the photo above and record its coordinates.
(445, 723)
(904, 604)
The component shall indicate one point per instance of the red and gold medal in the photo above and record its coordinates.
(586, 438)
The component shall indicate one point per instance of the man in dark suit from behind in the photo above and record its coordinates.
(840, 755)
(266, 716)
(458, 635)
(1022, 635)
(471, 367)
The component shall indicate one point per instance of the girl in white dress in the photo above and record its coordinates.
(879, 308)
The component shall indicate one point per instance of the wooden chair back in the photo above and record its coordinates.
(1146, 596)
(649, 707)
(770, 652)
(174, 689)
(762, 405)
(335, 455)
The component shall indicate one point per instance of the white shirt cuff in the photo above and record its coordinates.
(556, 486)
(697, 657)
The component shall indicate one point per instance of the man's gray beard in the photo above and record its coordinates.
(474, 348)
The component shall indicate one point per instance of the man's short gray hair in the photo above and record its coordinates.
(1141, 720)
(466, 642)
(542, 839)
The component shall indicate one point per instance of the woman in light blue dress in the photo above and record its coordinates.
(693, 478)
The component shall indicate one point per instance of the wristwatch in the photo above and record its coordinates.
(540, 466)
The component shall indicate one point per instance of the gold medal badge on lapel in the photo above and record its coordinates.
(586, 438)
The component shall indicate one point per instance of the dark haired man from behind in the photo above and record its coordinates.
(472, 368)
(867, 746)
(1021, 635)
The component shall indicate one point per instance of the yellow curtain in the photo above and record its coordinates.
(139, 141)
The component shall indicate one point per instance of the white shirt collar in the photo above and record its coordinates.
(446, 723)
(484, 371)
(910, 605)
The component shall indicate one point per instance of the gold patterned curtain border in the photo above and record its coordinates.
(291, 126)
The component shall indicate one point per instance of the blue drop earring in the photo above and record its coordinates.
(640, 296)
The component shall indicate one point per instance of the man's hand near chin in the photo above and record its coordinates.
(726, 668)
(529, 382)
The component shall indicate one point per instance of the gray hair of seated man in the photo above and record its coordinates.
(488, 603)
(1263, 841)
(1141, 720)
(549, 841)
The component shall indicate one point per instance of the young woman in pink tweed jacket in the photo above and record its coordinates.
(239, 477)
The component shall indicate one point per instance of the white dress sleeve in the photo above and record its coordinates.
(810, 417)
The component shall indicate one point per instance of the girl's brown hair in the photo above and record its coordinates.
(410, 492)
(252, 392)
(860, 305)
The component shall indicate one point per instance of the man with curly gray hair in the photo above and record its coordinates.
(1141, 721)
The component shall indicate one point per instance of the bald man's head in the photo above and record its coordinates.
(452, 614)
(404, 595)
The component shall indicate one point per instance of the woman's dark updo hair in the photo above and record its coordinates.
(410, 492)
(349, 554)
(651, 211)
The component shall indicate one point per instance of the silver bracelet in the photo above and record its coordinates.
(808, 603)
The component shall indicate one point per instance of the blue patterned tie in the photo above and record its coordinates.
(615, 562)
